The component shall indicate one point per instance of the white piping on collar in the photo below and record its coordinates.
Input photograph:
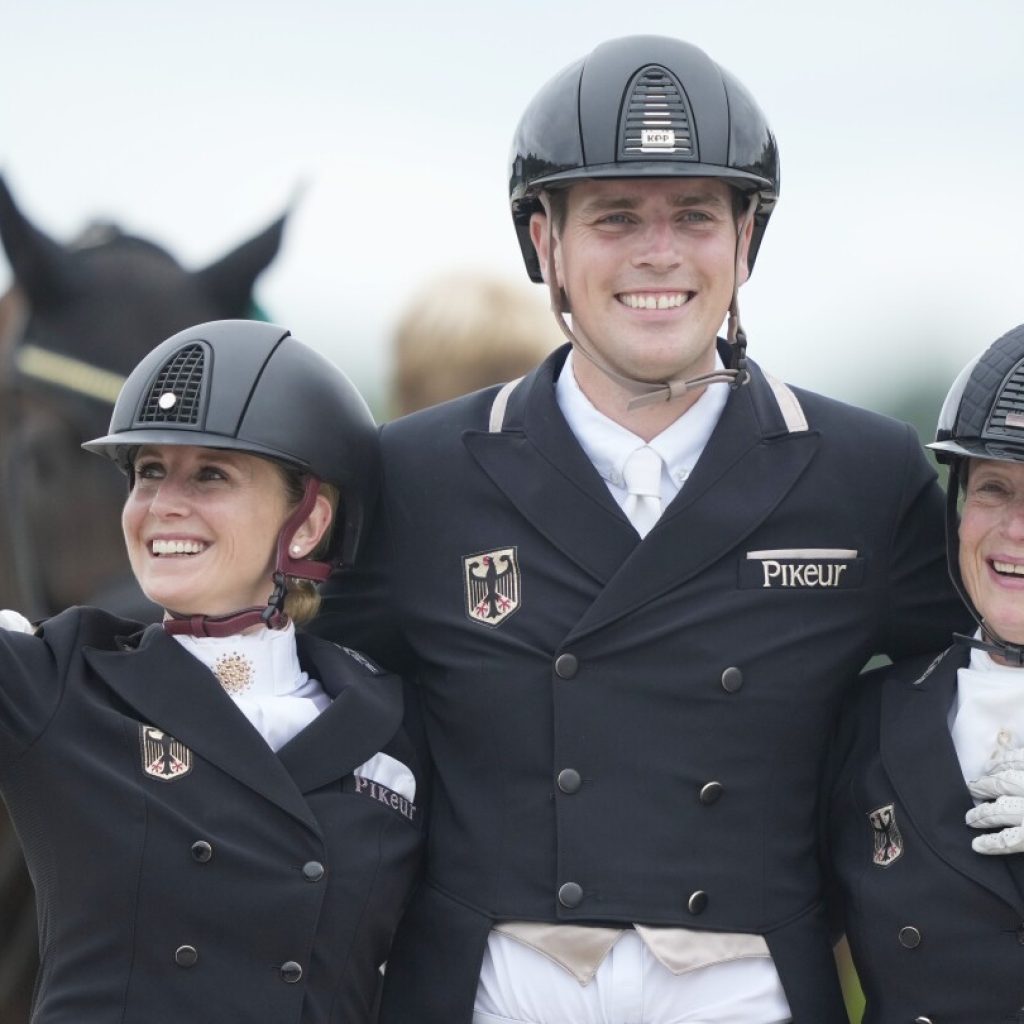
(789, 406)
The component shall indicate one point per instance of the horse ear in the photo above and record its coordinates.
(39, 263)
(229, 281)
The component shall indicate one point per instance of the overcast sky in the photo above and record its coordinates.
(896, 245)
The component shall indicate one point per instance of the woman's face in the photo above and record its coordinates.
(992, 544)
(201, 526)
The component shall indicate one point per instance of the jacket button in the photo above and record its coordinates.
(313, 871)
(922, 1020)
(569, 780)
(202, 852)
(732, 680)
(186, 956)
(710, 792)
(910, 937)
(697, 902)
(291, 972)
(570, 895)
(566, 666)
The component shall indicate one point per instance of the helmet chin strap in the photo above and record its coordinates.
(990, 641)
(648, 392)
(272, 615)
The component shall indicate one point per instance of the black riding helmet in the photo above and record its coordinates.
(982, 417)
(249, 386)
(641, 107)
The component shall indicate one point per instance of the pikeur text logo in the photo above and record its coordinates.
(802, 569)
(382, 794)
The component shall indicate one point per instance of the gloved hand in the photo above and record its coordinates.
(15, 621)
(1002, 786)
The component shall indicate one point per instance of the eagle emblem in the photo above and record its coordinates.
(887, 838)
(492, 584)
(163, 757)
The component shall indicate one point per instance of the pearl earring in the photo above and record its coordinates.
(296, 549)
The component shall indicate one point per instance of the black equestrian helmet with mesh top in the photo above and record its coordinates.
(641, 107)
(249, 386)
(983, 414)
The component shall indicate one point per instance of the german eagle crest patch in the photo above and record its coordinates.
(887, 838)
(163, 757)
(492, 585)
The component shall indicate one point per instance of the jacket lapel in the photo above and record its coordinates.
(173, 691)
(364, 715)
(920, 759)
(539, 465)
(751, 461)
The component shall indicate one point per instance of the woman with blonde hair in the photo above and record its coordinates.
(221, 815)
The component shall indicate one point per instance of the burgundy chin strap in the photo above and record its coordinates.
(653, 393)
(272, 615)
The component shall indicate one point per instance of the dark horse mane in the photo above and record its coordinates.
(76, 320)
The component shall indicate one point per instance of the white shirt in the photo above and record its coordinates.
(989, 701)
(608, 444)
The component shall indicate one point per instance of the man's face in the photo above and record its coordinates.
(648, 266)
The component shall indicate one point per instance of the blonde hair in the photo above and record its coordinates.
(302, 598)
(465, 331)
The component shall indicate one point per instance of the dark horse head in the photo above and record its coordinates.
(78, 318)
(76, 321)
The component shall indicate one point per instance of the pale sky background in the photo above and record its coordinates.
(896, 248)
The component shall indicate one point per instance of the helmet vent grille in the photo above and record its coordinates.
(175, 395)
(1007, 417)
(656, 120)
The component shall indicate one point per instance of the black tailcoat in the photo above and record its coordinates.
(576, 739)
(936, 930)
(183, 870)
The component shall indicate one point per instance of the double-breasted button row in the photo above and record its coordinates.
(188, 956)
(910, 937)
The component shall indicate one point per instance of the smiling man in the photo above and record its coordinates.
(632, 588)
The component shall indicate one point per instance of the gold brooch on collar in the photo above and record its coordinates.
(234, 672)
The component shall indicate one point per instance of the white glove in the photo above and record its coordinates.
(1002, 786)
(15, 621)
(1006, 813)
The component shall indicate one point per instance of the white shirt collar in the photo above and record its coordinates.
(260, 672)
(988, 711)
(608, 444)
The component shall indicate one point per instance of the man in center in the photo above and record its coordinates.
(632, 588)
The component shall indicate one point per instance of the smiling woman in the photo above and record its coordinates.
(257, 792)
(929, 745)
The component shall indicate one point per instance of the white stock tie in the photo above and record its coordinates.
(642, 474)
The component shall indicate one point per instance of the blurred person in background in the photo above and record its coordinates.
(221, 814)
(464, 331)
(633, 588)
(931, 748)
